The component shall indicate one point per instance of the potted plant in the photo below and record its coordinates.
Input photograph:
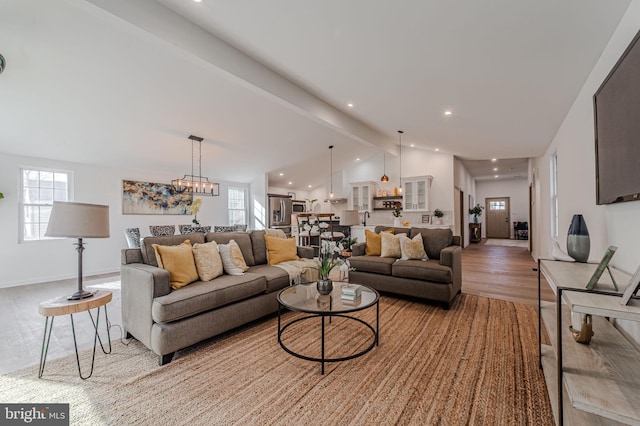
(476, 211)
(438, 214)
(1, 195)
(328, 260)
(194, 209)
(397, 213)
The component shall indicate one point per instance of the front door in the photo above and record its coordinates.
(498, 213)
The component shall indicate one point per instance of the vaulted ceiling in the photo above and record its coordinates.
(267, 83)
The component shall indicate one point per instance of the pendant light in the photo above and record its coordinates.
(331, 167)
(196, 184)
(400, 132)
(384, 177)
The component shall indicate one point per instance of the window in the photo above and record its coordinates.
(237, 206)
(497, 205)
(40, 188)
(554, 195)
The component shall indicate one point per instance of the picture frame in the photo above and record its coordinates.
(292, 195)
(608, 254)
(426, 218)
(632, 288)
(153, 198)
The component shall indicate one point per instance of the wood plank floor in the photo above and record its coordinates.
(502, 273)
(490, 271)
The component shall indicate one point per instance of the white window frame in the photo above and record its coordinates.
(23, 205)
(245, 193)
(554, 195)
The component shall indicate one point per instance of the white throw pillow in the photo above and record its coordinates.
(208, 261)
(390, 246)
(232, 259)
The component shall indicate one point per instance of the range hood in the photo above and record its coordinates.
(335, 200)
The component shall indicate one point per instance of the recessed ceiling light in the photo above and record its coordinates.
(495, 169)
(350, 105)
(290, 183)
(495, 176)
(413, 145)
(437, 149)
(357, 159)
(494, 159)
(281, 174)
(197, 1)
(448, 112)
(310, 186)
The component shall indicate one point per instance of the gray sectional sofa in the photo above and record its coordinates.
(438, 279)
(167, 320)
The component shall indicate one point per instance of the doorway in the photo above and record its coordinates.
(458, 208)
(498, 214)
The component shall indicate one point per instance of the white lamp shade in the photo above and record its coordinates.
(78, 220)
(349, 217)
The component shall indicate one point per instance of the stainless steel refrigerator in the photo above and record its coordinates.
(280, 209)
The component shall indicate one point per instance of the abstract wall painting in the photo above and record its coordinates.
(153, 198)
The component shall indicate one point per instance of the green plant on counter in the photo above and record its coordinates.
(1, 195)
(438, 213)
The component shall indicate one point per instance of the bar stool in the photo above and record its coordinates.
(330, 235)
(305, 235)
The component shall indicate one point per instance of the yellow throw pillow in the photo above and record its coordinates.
(178, 260)
(373, 242)
(412, 248)
(232, 259)
(280, 249)
(208, 261)
(390, 246)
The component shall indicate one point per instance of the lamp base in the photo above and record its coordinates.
(80, 294)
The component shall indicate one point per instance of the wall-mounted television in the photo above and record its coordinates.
(616, 107)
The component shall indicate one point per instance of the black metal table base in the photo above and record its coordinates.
(322, 359)
(46, 338)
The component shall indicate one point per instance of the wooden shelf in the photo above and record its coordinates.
(389, 198)
(601, 379)
(384, 208)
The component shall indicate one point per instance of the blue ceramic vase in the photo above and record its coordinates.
(578, 243)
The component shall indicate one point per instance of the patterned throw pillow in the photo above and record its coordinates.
(232, 259)
(412, 248)
(178, 260)
(208, 261)
(223, 229)
(162, 230)
(390, 246)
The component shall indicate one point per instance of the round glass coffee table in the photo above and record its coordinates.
(306, 299)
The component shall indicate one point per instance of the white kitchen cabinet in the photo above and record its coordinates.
(361, 196)
(416, 193)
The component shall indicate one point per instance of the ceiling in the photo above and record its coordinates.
(266, 84)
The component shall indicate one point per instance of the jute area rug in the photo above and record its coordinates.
(474, 364)
(507, 243)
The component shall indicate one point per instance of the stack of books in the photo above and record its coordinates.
(350, 292)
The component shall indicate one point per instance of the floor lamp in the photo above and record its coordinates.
(78, 220)
(349, 218)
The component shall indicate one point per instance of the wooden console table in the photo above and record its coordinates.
(596, 383)
(475, 232)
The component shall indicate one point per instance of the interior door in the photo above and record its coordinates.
(498, 214)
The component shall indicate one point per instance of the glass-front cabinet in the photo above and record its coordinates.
(417, 191)
(361, 197)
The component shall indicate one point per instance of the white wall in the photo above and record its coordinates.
(516, 189)
(37, 261)
(615, 224)
(463, 180)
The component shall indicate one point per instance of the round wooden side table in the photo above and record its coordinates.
(62, 306)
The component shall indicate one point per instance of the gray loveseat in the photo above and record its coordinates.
(438, 279)
(166, 320)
